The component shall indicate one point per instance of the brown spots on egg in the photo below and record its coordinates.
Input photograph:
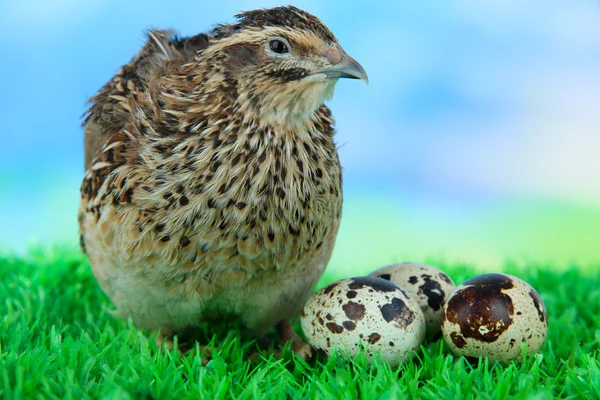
(491, 314)
(381, 285)
(458, 340)
(329, 288)
(374, 338)
(445, 278)
(483, 312)
(495, 282)
(399, 312)
(334, 328)
(358, 308)
(423, 283)
(354, 311)
(539, 305)
(349, 325)
(433, 291)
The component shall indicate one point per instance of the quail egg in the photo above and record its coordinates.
(364, 312)
(491, 315)
(428, 285)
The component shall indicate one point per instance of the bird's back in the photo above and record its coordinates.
(110, 108)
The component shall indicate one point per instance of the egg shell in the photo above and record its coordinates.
(428, 285)
(490, 316)
(364, 312)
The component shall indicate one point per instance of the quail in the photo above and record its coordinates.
(213, 188)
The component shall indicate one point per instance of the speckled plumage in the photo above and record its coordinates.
(213, 186)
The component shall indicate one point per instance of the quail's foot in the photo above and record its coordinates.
(299, 346)
(165, 340)
(286, 334)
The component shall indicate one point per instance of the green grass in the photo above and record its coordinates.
(59, 340)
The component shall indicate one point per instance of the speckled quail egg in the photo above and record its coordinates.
(428, 285)
(364, 312)
(491, 315)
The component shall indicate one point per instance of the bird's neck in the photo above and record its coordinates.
(285, 107)
(285, 110)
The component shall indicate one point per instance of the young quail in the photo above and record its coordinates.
(213, 187)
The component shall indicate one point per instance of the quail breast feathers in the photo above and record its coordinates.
(213, 187)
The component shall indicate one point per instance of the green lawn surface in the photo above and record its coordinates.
(59, 340)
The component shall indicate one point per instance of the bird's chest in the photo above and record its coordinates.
(273, 206)
(301, 200)
(294, 200)
(243, 207)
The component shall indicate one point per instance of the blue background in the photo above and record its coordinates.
(477, 139)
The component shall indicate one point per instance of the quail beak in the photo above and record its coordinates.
(342, 65)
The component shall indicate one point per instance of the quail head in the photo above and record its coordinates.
(213, 188)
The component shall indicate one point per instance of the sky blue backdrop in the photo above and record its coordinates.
(479, 119)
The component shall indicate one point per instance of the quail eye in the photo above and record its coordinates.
(278, 46)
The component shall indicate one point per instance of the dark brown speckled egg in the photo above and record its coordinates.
(493, 315)
(364, 312)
